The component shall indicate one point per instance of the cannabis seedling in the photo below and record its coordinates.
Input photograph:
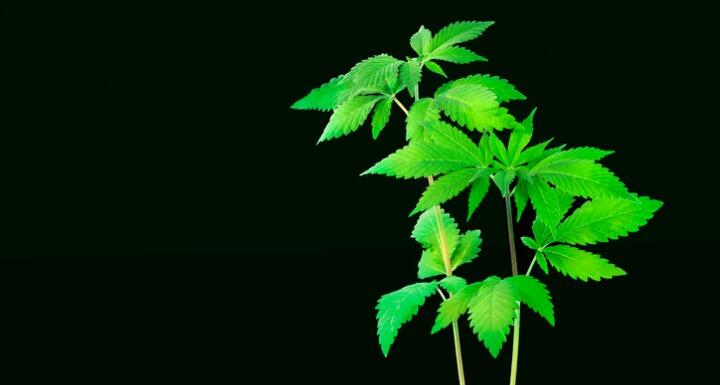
(551, 179)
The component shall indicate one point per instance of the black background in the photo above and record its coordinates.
(168, 214)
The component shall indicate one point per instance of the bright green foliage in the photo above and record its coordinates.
(474, 107)
(422, 159)
(326, 97)
(503, 179)
(492, 311)
(459, 32)
(503, 90)
(462, 248)
(580, 177)
(420, 41)
(467, 249)
(453, 283)
(454, 307)
(458, 55)
(422, 112)
(410, 73)
(349, 116)
(381, 116)
(398, 307)
(478, 190)
(546, 203)
(580, 264)
(375, 72)
(600, 220)
(448, 186)
(434, 67)
(534, 294)
(448, 136)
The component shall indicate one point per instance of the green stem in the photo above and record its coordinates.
(448, 268)
(513, 262)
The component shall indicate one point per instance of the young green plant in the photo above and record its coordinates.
(576, 200)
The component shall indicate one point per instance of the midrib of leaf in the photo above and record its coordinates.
(575, 228)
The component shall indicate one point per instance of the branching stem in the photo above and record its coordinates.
(513, 262)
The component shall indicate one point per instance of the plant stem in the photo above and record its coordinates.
(448, 268)
(513, 261)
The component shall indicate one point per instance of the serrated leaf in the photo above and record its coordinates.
(326, 97)
(540, 258)
(434, 67)
(497, 147)
(467, 249)
(503, 179)
(447, 135)
(580, 177)
(529, 242)
(431, 264)
(478, 190)
(458, 32)
(474, 107)
(422, 159)
(398, 307)
(521, 196)
(381, 116)
(534, 294)
(349, 116)
(601, 220)
(448, 186)
(580, 264)
(503, 90)
(545, 201)
(453, 283)
(541, 232)
(588, 153)
(410, 74)
(421, 113)
(429, 234)
(377, 71)
(420, 41)
(519, 139)
(457, 55)
(492, 311)
(452, 308)
(534, 153)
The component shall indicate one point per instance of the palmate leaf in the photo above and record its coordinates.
(534, 294)
(503, 90)
(457, 55)
(349, 116)
(434, 67)
(519, 139)
(446, 135)
(326, 97)
(458, 32)
(429, 234)
(467, 249)
(410, 74)
(398, 307)
(492, 311)
(422, 112)
(546, 203)
(601, 220)
(448, 186)
(474, 107)
(503, 179)
(420, 41)
(422, 159)
(580, 177)
(580, 264)
(478, 190)
(381, 116)
(377, 71)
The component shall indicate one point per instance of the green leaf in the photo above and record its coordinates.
(478, 190)
(541, 232)
(529, 242)
(381, 116)
(581, 177)
(420, 41)
(447, 135)
(474, 107)
(519, 139)
(326, 97)
(521, 196)
(428, 234)
(410, 74)
(540, 258)
(492, 311)
(431, 264)
(588, 153)
(453, 283)
(467, 249)
(503, 179)
(448, 186)
(535, 153)
(422, 159)
(349, 116)
(458, 32)
(503, 90)
(601, 220)
(580, 264)
(545, 201)
(398, 307)
(455, 54)
(452, 308)
(421, 113)
(534, 294)
(497, 147)
(377, 71)
(434, 67)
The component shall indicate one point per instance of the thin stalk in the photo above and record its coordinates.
(513, 262)
(448, 269)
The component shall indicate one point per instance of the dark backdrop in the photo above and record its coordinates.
(166, 210)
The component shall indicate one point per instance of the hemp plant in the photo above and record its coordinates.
(576, 201)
